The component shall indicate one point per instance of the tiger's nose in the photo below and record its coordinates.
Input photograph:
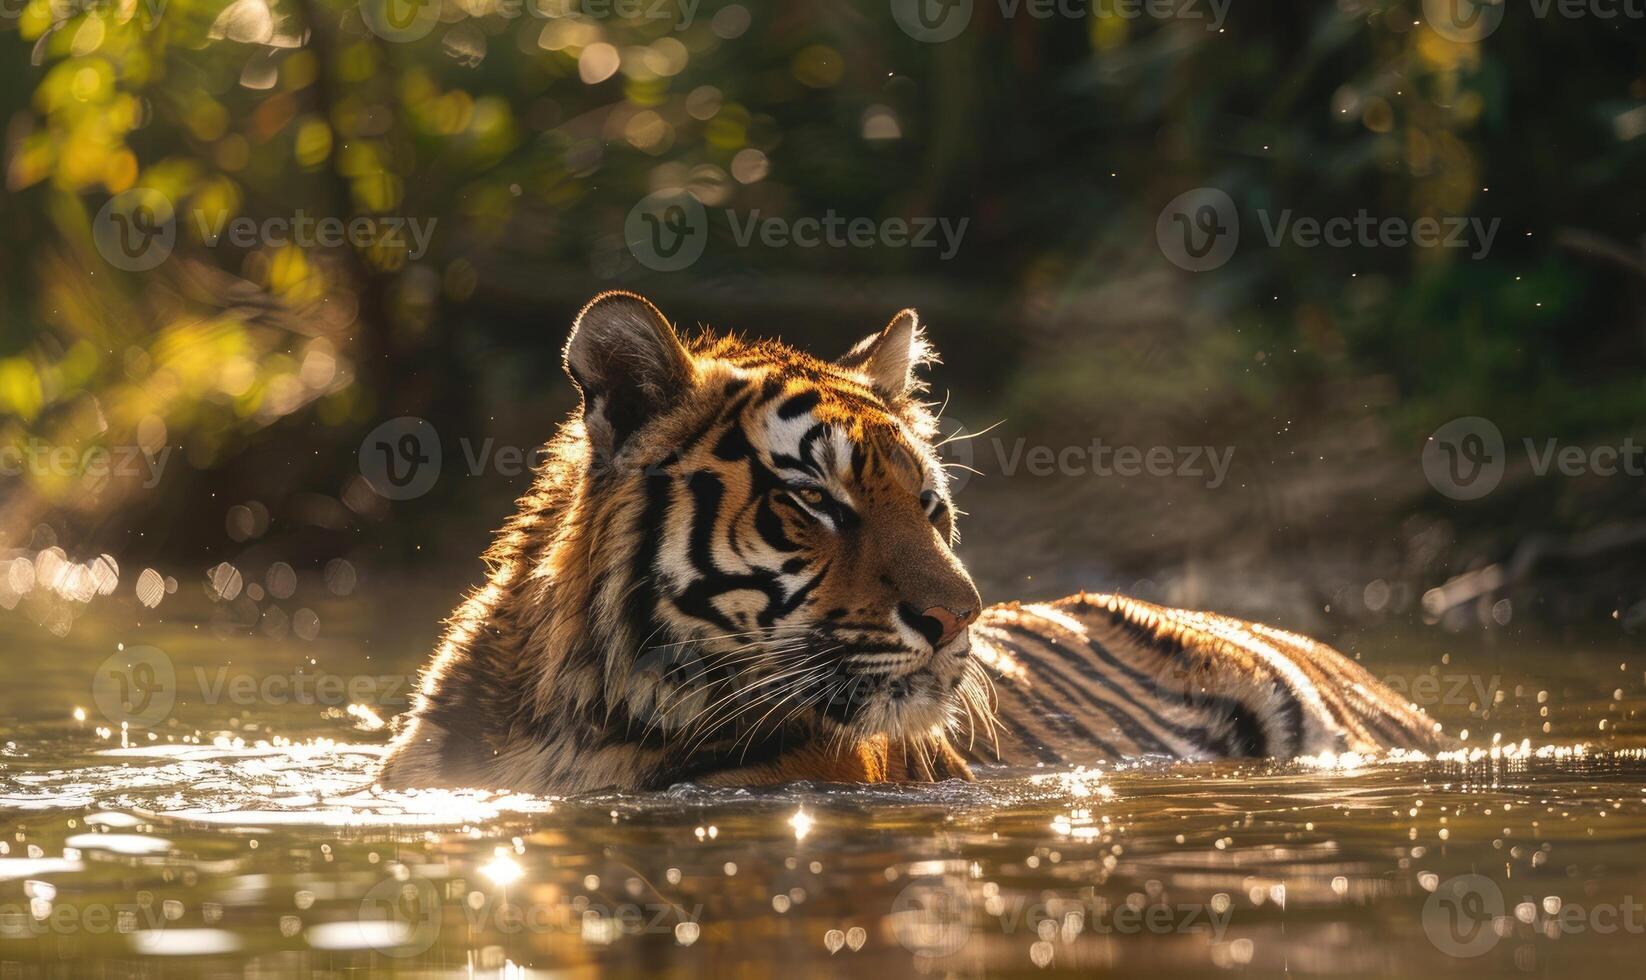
(938, 624)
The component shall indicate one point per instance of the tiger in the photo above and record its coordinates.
(736, 566)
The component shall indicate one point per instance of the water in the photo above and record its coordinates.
(241, 837)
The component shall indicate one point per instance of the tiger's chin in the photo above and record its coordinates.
(908, 706)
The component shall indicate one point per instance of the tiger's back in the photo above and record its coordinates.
(1099, 676)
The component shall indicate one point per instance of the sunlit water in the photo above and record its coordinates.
(240, 836)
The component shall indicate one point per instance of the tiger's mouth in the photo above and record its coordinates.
(845, 689)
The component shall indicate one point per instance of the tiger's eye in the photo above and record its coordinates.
(810, 496)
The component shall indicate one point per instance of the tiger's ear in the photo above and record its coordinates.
(629, 365)
(889, 358)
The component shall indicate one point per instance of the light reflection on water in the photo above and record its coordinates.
(247, 841)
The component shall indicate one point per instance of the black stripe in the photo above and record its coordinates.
(799, 405)
(734, 444)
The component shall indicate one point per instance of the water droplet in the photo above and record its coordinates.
(224, 581)
(305, 624)
(281, 580)
(151, 588)
(340, 577)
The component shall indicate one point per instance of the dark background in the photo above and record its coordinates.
(1060, 319)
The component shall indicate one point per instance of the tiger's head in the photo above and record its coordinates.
(767, 536)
